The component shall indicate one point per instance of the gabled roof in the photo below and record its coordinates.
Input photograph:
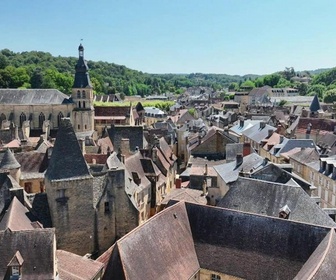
(266, 198)
(185, 237)
(33, 164)
(17, 260)
(16, 217)
(72, 266)
(187, 195)
(9, 161)
(290, 144)
(33, 97)
(229, 172)
(159, 249)
(67, 160)
(36, 248)
(133, 133)
(258, 132)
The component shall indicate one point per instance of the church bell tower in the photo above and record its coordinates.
(82, 96)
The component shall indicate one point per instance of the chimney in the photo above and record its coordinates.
(239, 159)
(154, 154)
(270, 132)
(262, 124)
(199, 139)
(284, 212)
(82, 145)
(125, 146)
(122, 159)
(323, 165)
(281, 139)
(334, 172)
(329, 168)
(16, 132)
(178, 183)
(156, 141)
(241, 122)
(206, 169)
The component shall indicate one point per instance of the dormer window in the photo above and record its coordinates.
(15, 270)
(15, 266)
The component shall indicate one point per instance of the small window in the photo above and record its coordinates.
(28, 187)
(15, 270)
(83, 94)
(78, 94)
(85, 126)
(215, 277)
(78, 127)
(83, 104)
(107, 207)
(61, 193)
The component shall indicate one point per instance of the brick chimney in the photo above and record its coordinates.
(262, 125)
(270, 133)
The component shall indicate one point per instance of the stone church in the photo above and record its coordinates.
(39, 111)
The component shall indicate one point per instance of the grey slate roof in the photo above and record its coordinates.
(315, 104)
(9, 161)
(290, 144)
(229, 172)
(67, 160)
(36, 248)
(261, 197)
(133, 133)
(252, 246)
(258, 133)
(33, 97)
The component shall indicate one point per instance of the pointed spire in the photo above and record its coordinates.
(67, 160)
(82, 78)
(9, 161)
(315, 105)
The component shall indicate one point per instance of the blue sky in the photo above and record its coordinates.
(178, 36)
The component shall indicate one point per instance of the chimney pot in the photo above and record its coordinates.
(239, 159)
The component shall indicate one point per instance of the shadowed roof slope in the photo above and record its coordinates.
(67, 160)
(33, 97)
(72, 266)
(261, 197)
(9, 161)
(36, 248)
(251, 246)
(16, 217)
(162, 248)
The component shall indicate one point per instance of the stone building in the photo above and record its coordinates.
(89, 209)
(39, 111)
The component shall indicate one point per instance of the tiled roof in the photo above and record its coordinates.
(267, 198)
(36, 248)
(133, 133)
(123, 111)
(33, 97)
(9, 161)
(185, 237)
(258, 132)
(188, 195)
(16, 217)
(67, 160)
(229, 172)
(72, 266)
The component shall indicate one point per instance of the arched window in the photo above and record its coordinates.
(78, 94)
(41, 119)
(59, 117)
(23, 118)
(83, 104)
(79, 104)
(83, 94)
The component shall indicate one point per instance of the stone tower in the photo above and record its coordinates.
(70, 195)
(82, 95)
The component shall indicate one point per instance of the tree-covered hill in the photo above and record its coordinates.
(37, 69)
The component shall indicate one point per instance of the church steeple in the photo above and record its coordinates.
(82, 96)
(82, 78)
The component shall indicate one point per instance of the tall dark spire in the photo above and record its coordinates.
(315, 104)
(66, 160)
(82, 78)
